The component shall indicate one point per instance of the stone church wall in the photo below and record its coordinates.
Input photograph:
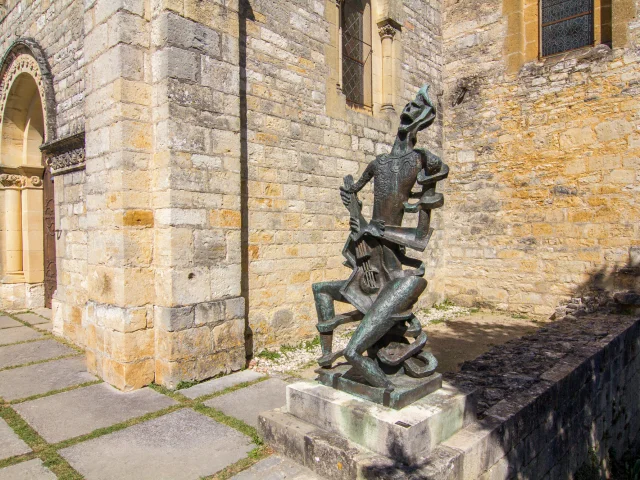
(57, 27)
(542, 199)
(302, 141)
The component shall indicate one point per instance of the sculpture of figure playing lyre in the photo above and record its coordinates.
(380, 288)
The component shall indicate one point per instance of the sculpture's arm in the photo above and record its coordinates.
(368, 174)
(409, 237)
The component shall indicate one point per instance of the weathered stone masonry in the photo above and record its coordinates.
(545, 154)
(170, 266)
(197, 146)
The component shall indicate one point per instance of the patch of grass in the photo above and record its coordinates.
(269, 355)
(186, 384)
(437, 321)
(445, 305)
(519, 316)
(54, 392)
(41, 449)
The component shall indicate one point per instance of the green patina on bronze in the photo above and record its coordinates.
(380, 288)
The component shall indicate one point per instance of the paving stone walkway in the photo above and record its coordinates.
(58, 421)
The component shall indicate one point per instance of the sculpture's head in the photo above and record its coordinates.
(417, 115)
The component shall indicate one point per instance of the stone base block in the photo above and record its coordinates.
(405, 435)
(18, 296)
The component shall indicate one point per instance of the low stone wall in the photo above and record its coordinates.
(548, 401)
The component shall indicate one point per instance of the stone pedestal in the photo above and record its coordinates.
(339, 435)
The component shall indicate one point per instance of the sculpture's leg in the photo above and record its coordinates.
(325, 294)
(398, 296)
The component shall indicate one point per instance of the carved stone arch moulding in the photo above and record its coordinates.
(26, 56)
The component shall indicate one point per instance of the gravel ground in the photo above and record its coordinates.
(301, 357)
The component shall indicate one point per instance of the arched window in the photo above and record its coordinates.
(356, 29)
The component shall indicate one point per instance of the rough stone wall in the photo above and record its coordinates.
(551, 403)
(302, 140)
(542, 195)
(70, 297)
(57, 26)
(199, 313)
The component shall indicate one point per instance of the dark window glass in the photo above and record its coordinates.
(566, 25)
(356, 53)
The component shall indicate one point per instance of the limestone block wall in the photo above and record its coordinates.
(562, 399)
(199, 313)
(118, 321)
(544, 155)
(302, 139)
(70, 298)
(57, 27)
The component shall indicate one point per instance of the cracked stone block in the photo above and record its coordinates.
(78, 412)
(181, 445)
(247, 403)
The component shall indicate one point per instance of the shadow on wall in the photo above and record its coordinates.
(608, 290)
(245, 12)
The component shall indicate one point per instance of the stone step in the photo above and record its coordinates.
(334, 457)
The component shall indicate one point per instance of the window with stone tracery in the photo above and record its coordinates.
(567, 25)
(356, 39)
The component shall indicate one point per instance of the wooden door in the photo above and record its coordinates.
(50, 272)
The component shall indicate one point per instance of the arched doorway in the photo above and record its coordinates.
(22, 191)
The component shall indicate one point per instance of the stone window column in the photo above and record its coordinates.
(339, 25)
(14, 268)
(387, 33)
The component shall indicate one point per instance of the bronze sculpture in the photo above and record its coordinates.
(382, 292)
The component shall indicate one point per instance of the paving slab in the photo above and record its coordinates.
(12, 355)
(180, 445)
(46, 327)
(43, 312)
(41, 378)
(31, 470)
(7, 322)
(10, 443)
(18, 334)
(277, 468)
(32, 318)
(247, 403)
(219, 384)
(78, 412)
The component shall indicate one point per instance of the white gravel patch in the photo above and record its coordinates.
(292, 360)
(431, 315)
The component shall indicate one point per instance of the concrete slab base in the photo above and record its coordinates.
(338, 435)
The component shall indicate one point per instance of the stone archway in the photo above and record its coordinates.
(23, 129)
